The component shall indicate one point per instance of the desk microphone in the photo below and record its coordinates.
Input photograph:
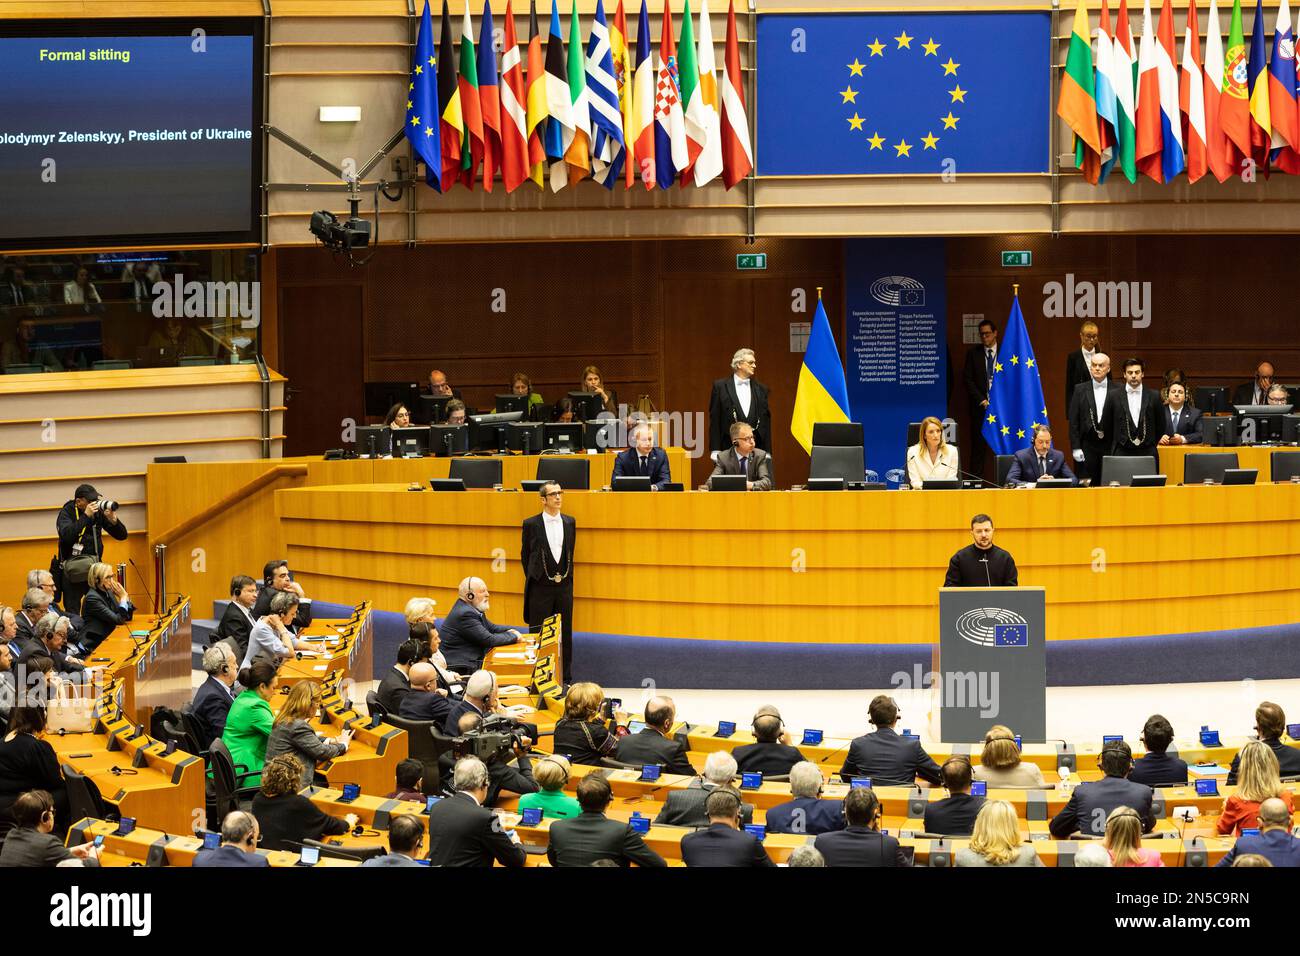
(985, 562)
(984, 482)
(333, 851)
(834, 752)
(131, 561)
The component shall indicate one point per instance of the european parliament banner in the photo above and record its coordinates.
(895, 341)
(903, 93)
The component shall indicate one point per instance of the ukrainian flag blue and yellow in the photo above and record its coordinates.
(822, 395)
(1016, 397)
(422, 128)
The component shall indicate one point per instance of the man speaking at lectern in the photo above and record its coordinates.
(981, 564)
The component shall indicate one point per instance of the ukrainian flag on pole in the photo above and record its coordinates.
(822, 395)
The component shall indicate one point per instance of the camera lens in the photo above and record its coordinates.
(108, 504)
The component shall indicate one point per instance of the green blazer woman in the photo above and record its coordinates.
(248, 727)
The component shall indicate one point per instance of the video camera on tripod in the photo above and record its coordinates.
(495, 739)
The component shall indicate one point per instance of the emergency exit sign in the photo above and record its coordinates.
(1013, 259)
(751, 260)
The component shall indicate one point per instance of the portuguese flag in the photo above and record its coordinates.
(1078, 101)
(1234, 106)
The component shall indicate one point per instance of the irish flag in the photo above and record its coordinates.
(1077, 104)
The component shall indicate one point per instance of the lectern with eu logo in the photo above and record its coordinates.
(990, 663)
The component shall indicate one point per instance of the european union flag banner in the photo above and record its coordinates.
(903, 93)
(1010, 635)
(1016, 396)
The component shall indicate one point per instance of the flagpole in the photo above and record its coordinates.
(1015, 289)
(819, 293)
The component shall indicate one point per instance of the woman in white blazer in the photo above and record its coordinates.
(931, 457)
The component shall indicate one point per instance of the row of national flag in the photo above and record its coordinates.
(555, 114)
(1231, 110)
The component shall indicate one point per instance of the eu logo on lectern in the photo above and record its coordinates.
(1011, 635)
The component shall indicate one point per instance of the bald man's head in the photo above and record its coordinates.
(1273, 813)
(423, 675)
(660, 712)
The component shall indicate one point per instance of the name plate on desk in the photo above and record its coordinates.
(153, 652)
(139, 669)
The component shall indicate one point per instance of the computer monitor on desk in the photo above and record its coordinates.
(603, 434)
(1211, 399)
(447, 440)
(586, 405)
(488, 432)
(1259, 424)
(512, 403)
(1219, 431)
(430, 409)
(381, 396)
(410, 442)
(527, 438)
(373, 441)
(564, 436)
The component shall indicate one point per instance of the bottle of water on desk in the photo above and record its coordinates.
(1065, 786)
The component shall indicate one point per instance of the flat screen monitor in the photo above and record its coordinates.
(447, 484)
(381, 396)
(512, 403)
(586, 405)
(631, 483)
(446, 440)
(1240, 476)
(1149, 481)
(1259, 424)
(939, 484)
(410, 442)
(1211, 399)
(563, 436)
(728, 483)
(1053, 483)
(1219, 431)
(487, 436)
(603, 434)
(1291, 428)
(373, 441)
(430, 409)
(825, 484)
(527, 438)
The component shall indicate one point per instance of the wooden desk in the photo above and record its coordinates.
(347, 651)
(1173, 459)
(153, 657)
(133, 849)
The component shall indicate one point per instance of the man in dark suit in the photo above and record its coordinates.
(36, 604)
(463, 831)
(1274, 841)
(860, 843)
(215, 695)
(807, 812)
(1091, 803)
(438, 386)
(237, 619)
(1157, 768)
(739, 398)
(1090, 414)
(644, 459)
(277, 577)
(467, 634)
(1039, 460)
(742, 458)
(655, 743)
(1182, 422)
(1255, 392)
(1270, 721)
(592, 836)
(884, 756)
(397, 681)
(425, 701)
(43, 579)
(723, 843)
(546, 555)
(1078, 364)
(981, 563)
(1137, 418)
(956, 815)
(684, 807)
(976, 376)
(239, 836)
(772, 753)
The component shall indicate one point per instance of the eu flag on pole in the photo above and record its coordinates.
(1016, 397)
(822, 395)
(422, 115)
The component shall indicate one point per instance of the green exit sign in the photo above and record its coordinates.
(1010, 259)
(751, 260)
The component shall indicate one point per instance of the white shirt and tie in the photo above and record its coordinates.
(744, 394)
(1099, 392)
(1134, 396)
(554, 525)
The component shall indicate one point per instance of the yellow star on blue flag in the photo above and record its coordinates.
(1016, 395)
(422, 127)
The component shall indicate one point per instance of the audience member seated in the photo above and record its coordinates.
(771, 754)
(425, 700)
(643, 459)
(29, 763)
(996, 840)
(1258, 780)
(399, 416)
(21, 351)
(439, 387)
(292, 734)
(931, 456)
(215, 695)
(1182, 422)
(463, 831)
(105, 607)
(743, 458)
(1255, 392)
(582, 734)
(884, 756)
(249, 721)
(239, 836)
(1252, 859)
(1277, 395)
(1270, 722)
(405, 832)
(1091, 855)
(1157, 768)
(467, 635)
(425, 634)
(8, 685)
(279, 580)
(396, 683)
(9, 631)
(36, 604)
(271, 637)
(1091, 803)
(562, 411)
(551, 774)
(807, 812)
(237, 619)
(39, 578)
(1123, 840)
(287, 818)
(656, 743)
(589, 837)
(592, 382)
(50, 641)
(456, 412)
(410, 781)
(956, 815)
(860, 843)
(723, 843)
(521, 384)
(174, 339)
(1000, 764)
(32, 842)
(805, 856)
(81, 291)
(420, 610)
(686, 807)
(1274, 841)
(1040, 460)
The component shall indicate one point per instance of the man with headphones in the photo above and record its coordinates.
(277, 577)
(861, 843)
(771, 753)
(215, 695)
(743, 458)
(723, 842)
(956, 815)
(546, 556)
(32, 841)
(1092, 802)
(886, 757)
(238, 619)
(467, 634)
(239, 836)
